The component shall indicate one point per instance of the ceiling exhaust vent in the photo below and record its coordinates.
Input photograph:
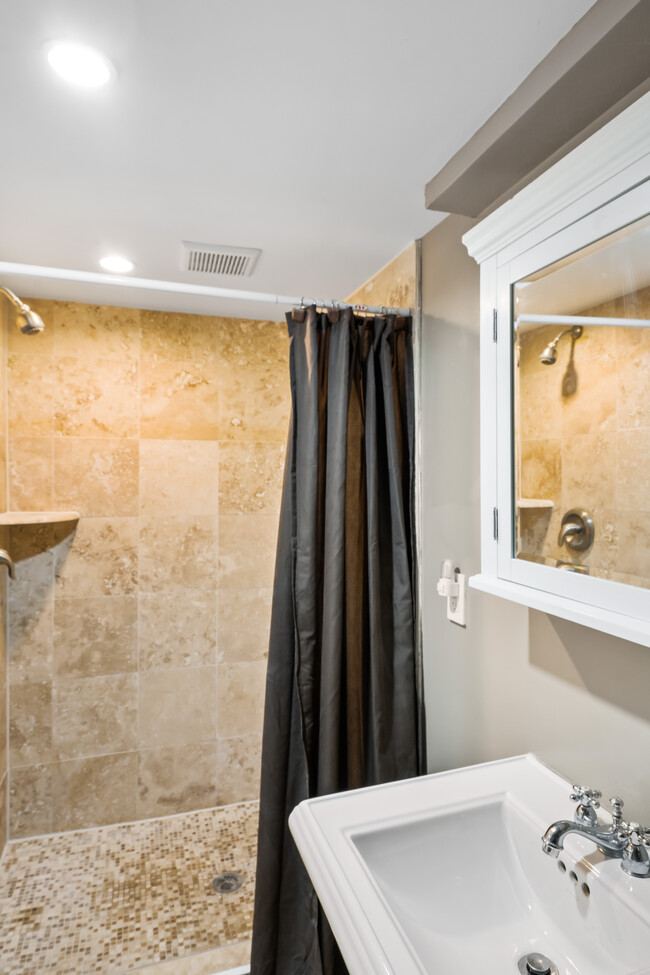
(212, 259)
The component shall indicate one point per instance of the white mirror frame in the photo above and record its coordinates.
(598, 188)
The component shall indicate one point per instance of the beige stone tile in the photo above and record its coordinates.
(4, 808)
(247, 545)
(541, 469)
(634, 381)
(95, 636)
(255, 402)
(589, 472)
(205, 963)
(94, 715)
(174, 780)
(176, 706)
(33, 345)
(30, 603)
(101, 401)
(634, 470)
(179, 477)
(393, 285)
(244, 620)
(95, 791)
(30, 724)
(633, 544)
(240, 696)
(536, 531)
(541, 407)
(597, 341)
(592, 409)
(4, 477)
(179, 400)
(630, 580)
(30, 397)
(178, 553)
(178, 630)
(95, 332)
(239, 764)
(4, 681)
(101, 559)
(28, 541)
(30, 801)
(174, 337)
(247, 345)
(30, 474)
(250, 477)
(96, 477)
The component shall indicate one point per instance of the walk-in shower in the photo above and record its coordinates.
(27, 320)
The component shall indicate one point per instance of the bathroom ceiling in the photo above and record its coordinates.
(305, 129)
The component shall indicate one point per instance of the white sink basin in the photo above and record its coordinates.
(445, 874)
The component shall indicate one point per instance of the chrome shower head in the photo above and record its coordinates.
(549, 356)
(27, 320)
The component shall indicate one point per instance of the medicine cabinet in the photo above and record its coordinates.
(565, 385)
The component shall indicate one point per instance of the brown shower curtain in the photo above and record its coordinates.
(343, 705)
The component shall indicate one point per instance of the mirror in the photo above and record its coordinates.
(581, 410)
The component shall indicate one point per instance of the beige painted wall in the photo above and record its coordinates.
(514, 680)
(138, 640)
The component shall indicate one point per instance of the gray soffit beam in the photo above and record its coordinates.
(601, 66)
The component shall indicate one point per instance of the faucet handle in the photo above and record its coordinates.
(617, 810)
(589, 800)
(590, 797)
(636, 860)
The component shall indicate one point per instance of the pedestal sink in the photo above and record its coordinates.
(445, 875)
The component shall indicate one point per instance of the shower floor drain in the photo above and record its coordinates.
(227, 883)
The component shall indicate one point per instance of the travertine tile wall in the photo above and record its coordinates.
(4, 762)
(138, 640)
(393, 285)
(590, 449)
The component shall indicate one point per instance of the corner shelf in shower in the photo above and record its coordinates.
(14, 518)
(534, 503)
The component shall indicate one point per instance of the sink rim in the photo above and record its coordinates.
(368, 931)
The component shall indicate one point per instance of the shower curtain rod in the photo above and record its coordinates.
(179, 287)
(581, 320)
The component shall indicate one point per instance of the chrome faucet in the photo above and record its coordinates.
(628, 842)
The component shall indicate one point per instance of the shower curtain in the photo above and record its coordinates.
(343, 705)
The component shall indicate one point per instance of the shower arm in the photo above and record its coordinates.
(14, 299)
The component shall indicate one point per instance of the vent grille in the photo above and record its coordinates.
(213, 259)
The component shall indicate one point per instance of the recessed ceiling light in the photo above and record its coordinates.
(117, 264)
(78, 64)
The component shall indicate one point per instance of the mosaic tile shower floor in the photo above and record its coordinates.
(125, 897)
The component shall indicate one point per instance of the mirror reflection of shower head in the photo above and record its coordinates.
(549, 356)
(27, 320)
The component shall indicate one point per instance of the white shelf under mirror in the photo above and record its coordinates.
(565, 268)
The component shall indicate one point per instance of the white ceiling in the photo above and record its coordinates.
(307, 130)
